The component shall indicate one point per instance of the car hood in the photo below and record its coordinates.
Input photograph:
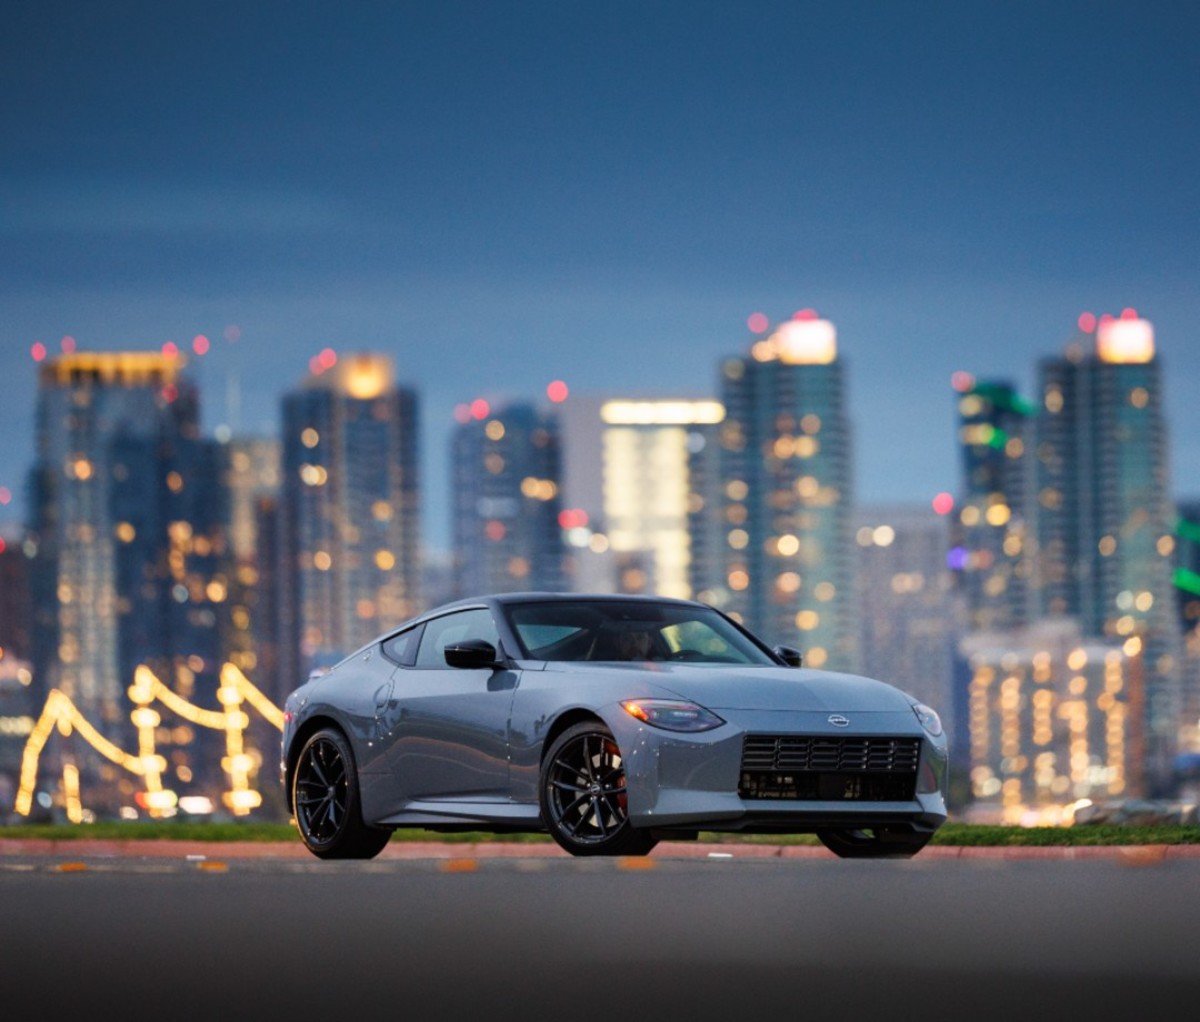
(721, 686)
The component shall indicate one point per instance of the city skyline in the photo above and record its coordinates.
(500, 196)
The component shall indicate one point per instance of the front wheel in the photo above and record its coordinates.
(874, 843)
(326, 800)
(583, 798)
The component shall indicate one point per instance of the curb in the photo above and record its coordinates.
(1128, 854)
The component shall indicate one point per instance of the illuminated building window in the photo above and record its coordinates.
(310, 437)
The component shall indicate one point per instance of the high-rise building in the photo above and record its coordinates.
(506, 466)
(349, 526)
(1187, 591)
(251, 478)
(785, 497)
(994, 556)
(909, 615)
(131, 563)
(1104, 513)
(650, 450)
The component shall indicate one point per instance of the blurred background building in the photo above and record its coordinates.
(349, 532)
(786, 498)
(506, 499)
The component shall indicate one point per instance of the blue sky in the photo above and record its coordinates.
(501, 194)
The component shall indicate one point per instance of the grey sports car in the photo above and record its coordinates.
(613, 722)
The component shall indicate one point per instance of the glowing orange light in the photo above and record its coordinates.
(805, 314)
(962, 382)
(38, 351)
(943, 503)
(1087, 322)
(170, 349)
(462, 413)
(480, 408)
(68, 344)
(200, 344)
(757, 322)
(557, 391)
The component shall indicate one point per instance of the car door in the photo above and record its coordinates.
(447, 727)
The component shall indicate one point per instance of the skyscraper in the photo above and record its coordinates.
(909, 616)
(785, 499)
(506, 467)
(1104, 511)
(650, 449)
(993, 559)
(1187, 590)
(349, 529)
(131, 563)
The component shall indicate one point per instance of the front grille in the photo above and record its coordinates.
(870, 768)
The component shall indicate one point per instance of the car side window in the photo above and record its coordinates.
(400, 648)
(441, 631)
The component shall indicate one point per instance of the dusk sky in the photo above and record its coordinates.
(499, 194)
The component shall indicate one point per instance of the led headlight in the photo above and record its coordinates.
(672, 715)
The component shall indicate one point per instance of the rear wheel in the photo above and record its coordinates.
(874, 842)
(583, 798)
(326, 800)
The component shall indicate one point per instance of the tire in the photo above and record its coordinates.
(582, 795)
(874, 843)
(326, 801)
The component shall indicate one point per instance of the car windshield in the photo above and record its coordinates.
(604, 630)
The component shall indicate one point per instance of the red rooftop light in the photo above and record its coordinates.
(68, 344)
(757, 322)
(943, 503)
(805, 314)
(557, 391)
(38, 351)
(1087, 322)
(480, 408)
(200, 344)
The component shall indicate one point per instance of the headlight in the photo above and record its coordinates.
(929, 718)
(672, 715)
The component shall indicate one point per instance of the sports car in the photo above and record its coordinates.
(611, 722)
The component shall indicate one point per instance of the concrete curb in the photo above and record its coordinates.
(1129, 854)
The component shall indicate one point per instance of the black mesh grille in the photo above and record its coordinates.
(829, 767)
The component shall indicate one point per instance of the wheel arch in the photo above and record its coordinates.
(306, 730)
(566, 720)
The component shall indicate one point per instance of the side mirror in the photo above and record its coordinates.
(788, 655)
(471, 653)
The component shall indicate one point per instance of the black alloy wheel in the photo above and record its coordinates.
(326, 801)
(874, 843)
(583, 798)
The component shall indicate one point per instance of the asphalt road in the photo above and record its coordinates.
(559, 938)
